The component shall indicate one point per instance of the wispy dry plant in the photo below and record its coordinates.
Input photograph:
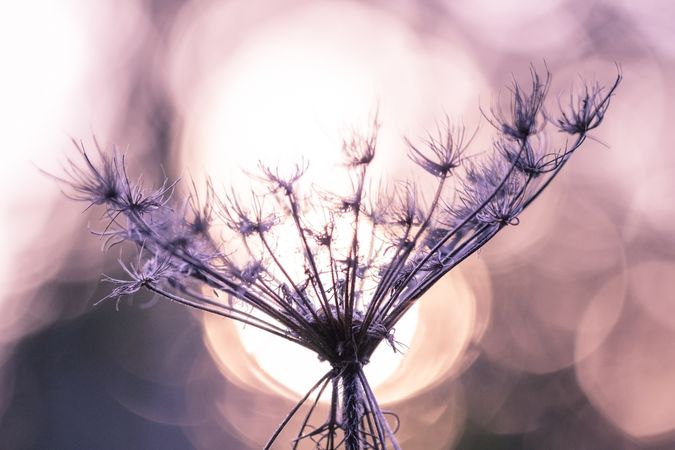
(361, 259)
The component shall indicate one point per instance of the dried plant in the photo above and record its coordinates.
(362, 259)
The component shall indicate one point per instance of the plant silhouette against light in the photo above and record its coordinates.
(363, 258)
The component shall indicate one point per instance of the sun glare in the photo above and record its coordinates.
(282, 98)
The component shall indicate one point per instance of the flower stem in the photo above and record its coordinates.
(352, 397)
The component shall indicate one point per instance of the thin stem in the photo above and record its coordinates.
(308, 327)
(232, 314)
(246, 295)
(323, 299)
(377, 442)
(426, 284)
(544, 185)
(309, 414)
(353, 258)
(297, 406)
(301, 295)
(332, 419)
(351, 406)
(333, 272)
(450, 233)
(370, 397)
(374, 305)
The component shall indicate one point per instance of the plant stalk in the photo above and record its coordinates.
(352, 400)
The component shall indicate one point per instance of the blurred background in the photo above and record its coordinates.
(559, 334)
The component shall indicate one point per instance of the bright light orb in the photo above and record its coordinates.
(294, 89)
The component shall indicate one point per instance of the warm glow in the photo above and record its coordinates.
(281, 98)
(297, 368)
(433, 336)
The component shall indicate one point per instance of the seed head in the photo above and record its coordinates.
(353, 272)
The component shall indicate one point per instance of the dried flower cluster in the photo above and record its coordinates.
(360, 259)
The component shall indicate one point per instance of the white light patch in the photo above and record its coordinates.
(298, 368)
(292, 92)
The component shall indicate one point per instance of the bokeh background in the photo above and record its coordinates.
(560, 334)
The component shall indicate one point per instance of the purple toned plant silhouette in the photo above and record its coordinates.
(363, 258)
